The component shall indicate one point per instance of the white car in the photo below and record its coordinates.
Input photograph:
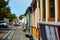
(3, 24)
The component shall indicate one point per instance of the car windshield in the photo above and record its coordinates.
(2, 21)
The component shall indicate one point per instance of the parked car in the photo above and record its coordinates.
(3, 24)
(17, 24)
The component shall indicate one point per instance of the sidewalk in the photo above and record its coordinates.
(19, 35)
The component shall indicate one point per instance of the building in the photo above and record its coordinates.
(45, 19)
(27, 22)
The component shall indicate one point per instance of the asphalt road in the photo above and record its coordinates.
(19, 34)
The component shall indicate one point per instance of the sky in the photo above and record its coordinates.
(19, 7)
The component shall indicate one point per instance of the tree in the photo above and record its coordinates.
(3, 3)
(4, 10)
(20, 17)
(12, 16)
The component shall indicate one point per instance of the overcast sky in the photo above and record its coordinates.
(19, 6)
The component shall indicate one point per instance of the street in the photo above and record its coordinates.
(14, 33)
(19, 34)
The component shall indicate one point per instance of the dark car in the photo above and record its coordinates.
(17, 24)
(3, 24)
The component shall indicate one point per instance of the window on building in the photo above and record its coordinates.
(34, 6)
(59, 8)
(39, 3)
(44, 9)
(39, 11)
(52, 8)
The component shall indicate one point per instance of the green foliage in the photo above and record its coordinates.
(20, 17)
(12, 16)
(3, 3)
(5, 11)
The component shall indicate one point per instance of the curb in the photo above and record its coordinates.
(9, 35)
(5, 37)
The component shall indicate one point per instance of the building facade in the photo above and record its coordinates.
(45, 19)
